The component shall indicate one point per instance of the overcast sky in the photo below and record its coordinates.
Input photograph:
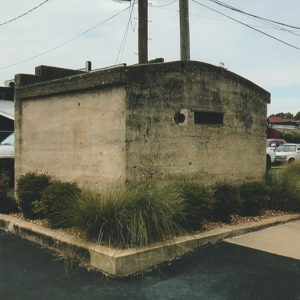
(214, 39)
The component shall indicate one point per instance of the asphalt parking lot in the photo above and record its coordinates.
(223, 271)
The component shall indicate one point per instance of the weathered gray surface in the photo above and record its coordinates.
(118, 125)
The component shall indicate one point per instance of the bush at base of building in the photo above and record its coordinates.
(57, 199)
(29, 192)
(255, 198)
(7, 200)
(227, 202)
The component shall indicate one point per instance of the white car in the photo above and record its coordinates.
(272, 145)
(287, 153)
(270, 157)
(7, 155)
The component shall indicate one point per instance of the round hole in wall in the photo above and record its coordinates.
(179, 118)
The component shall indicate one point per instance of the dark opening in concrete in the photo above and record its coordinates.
(205, 117)
(179, 118)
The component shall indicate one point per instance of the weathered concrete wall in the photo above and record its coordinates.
(79, 136)
(159, 148)
(118, 124)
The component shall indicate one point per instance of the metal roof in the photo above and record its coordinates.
(7, 109)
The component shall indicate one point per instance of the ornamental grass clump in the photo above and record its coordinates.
(285, 188)
(130, 217)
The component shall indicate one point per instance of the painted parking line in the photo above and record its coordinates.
(282, 240)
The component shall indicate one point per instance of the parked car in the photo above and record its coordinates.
(272, 145)
(287, 153)
(7, 157)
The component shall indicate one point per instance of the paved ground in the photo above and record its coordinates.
(282, 240)
(223, 271)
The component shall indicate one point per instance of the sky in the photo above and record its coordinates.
(53, 34)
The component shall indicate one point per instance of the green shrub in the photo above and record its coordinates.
(197, 204)
(29, 191)
(227, 202)
(56, 200)
(7, 200)
(285, 188)
(255, 198)
(137, 216)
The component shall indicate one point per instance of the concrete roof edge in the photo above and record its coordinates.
(95, 79)
(117, 76)
(180, 65)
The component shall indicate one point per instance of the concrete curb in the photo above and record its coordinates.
(121, 263)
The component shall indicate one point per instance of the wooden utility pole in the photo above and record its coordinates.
(143, 31)
(184, 30)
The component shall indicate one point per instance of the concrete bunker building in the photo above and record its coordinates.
(161, 120)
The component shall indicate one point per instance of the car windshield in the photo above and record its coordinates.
(286, 148)
(10, 140)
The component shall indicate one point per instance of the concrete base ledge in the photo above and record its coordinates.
(121, 263)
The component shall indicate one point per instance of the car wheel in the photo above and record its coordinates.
(291, 160)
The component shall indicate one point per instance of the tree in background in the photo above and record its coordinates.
(297, 116)
(286, 115)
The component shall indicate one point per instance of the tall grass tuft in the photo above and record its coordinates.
(137, 216)
(285, 188)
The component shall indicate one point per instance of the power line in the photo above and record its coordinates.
(122, 46)
(249, 26)
(24, 14)
(252, 15)
(164, 5)
(66, 42)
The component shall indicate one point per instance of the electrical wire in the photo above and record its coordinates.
(66, 42)
(249, 26)
(24, 14)
(124, 39)
(252, 15)
(164, 5)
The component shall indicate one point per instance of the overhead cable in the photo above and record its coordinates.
(252, 15)
(124, 39)
(249, 26)
(24, 14)
(66, 42)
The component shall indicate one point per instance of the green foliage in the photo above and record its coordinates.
(227, 202)
(56, 200)
(254, 196)
(291, 135)
(197, 204)
(285, 188)
(7, 200)
(134, 217)
(297, 116)
(29, 191)
(283, 115)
